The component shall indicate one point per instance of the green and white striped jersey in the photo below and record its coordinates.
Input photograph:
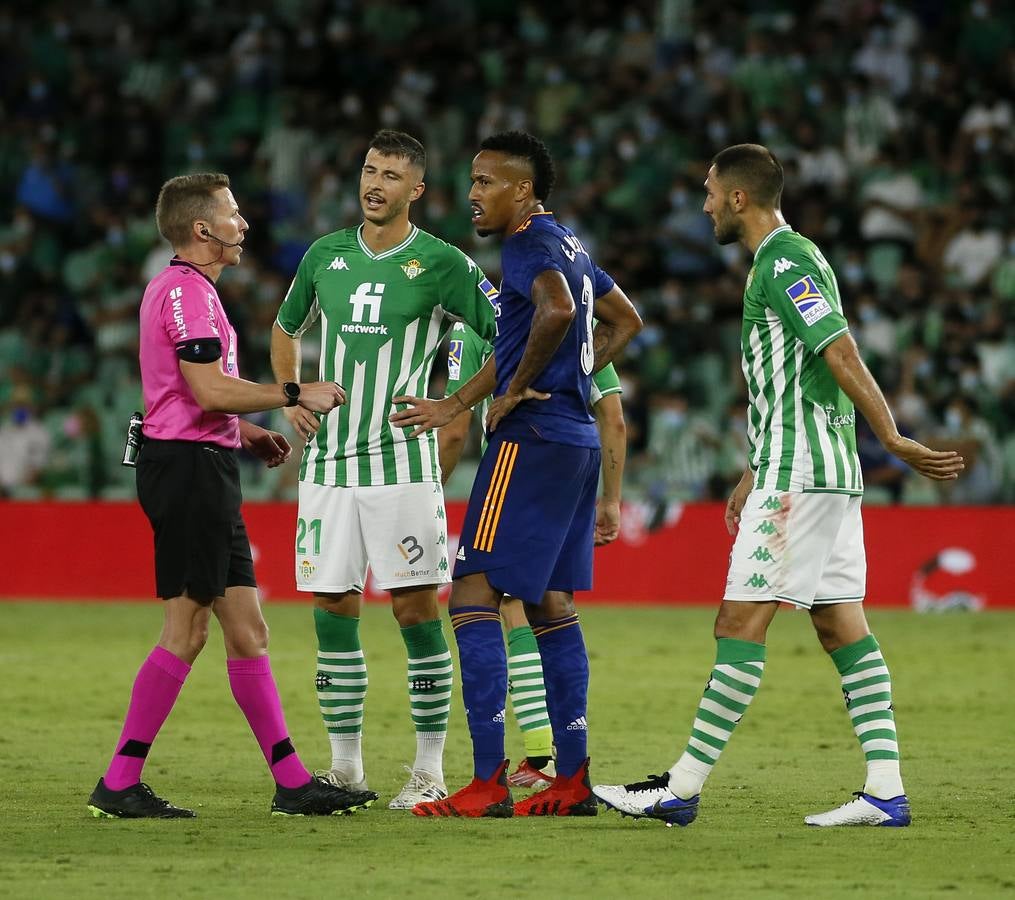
(801, 425)
(383, 317)
(467, 352)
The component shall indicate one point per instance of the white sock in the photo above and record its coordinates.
(430, 753)
(884, 780)
(687, 777)
(347, 755)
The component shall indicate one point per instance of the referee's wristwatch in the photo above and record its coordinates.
(292, 393)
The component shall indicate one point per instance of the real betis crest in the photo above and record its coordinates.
(412, 269)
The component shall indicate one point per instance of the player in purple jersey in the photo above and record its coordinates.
(529, 529)
(188, 485)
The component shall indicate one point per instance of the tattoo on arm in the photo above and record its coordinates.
(603, 345)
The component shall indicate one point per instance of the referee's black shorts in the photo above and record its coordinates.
(191, 494)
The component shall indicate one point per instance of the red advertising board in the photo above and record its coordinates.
(917, 556)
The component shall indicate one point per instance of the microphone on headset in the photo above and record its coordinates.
(219, 240)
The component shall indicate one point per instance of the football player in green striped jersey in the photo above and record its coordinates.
(796, 512)
(369, 492)
(467, 352)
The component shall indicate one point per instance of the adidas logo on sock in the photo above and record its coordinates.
(460, 554)
(579, 724)
(499, 717)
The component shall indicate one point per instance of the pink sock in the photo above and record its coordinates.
(156, 688)
(256, 694)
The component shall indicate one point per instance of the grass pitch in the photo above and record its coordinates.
(67, 669)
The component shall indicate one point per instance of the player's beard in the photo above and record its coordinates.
(727, 230)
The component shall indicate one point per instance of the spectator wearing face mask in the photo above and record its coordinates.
(24, 445)
(972, 436)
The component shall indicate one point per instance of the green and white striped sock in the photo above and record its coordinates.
(867, 689)
(730, 690)
(528, 693)
(341, 688)
(429, 680)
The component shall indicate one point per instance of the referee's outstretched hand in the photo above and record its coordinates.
(268, 446)
(321, 396)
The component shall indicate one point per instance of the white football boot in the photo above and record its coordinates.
(343, 777)
(631, 799)
(420, 788)
(866, 810)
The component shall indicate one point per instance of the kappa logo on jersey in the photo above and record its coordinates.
(339, 263)
(366, 301)
(455, 350)
(782, 265)
(808, 300)
(413, 268)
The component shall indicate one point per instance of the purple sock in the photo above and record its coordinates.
(483, 663)
(257, 695)
(156, 688)
(566, 676)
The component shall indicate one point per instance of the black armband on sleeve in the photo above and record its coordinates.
(200, 350)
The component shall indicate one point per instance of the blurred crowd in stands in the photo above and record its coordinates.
(894, 122)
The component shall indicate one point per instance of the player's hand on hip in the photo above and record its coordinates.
(303, 422)
(735, 504)
(506, 402)
(607, 521)
(938, 465)
(321, 396)
(423, 414)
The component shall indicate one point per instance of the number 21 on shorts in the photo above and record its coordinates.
(311, 529)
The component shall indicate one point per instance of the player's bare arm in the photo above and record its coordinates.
(853, 376)
(609, 413)
(617, 322)
(286, 361)
(425, 414)
(215, 391)
(735, 504)
(450, 442)
(555, 310)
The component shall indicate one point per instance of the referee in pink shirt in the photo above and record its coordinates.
(189, 487)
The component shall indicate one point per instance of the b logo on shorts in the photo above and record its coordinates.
(410, 549)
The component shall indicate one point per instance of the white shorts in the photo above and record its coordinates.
(804, 549)
(400, 530)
